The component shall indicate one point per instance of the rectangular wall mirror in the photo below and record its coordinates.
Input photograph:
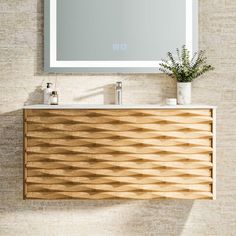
(115, 36)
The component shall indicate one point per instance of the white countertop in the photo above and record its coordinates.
(98, 106)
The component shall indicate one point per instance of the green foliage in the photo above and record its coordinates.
(184, 68)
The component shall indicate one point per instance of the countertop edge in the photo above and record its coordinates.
(116, 107)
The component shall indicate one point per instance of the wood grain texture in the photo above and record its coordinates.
(120, 112)
(119, 165)
(118, 142)
(118, 172)
(118, 157)
(124, 149)
(117, 134)
(140, 179)
(103, 122)
(118, 187)
(120, 127)
(119, 195)
(123, 154)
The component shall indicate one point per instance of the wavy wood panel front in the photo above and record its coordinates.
(143, 195)
(32, 172)
(118, 187)
(117, 157)
(119, 112)
(33, 142)
(119, 165)
(112, 122)
(123, 154)
(49, 134)
(137, 179)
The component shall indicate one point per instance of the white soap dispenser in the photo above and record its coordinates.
(47, 94)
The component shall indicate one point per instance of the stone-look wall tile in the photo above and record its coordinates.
(21, 82)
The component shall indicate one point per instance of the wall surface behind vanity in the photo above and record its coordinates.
(21, 79)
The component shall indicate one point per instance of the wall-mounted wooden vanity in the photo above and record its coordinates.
(119, 152)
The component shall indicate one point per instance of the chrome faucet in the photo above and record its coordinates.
(118, 93)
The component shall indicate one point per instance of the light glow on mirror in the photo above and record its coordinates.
(55, 63)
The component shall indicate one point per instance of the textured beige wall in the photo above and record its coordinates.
(21, 78)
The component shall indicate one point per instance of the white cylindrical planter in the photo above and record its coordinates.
(184, 93)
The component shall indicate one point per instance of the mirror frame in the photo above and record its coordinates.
(52, 65)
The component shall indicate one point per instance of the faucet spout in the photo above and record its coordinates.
(119, 93)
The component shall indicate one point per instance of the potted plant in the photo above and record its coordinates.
(185, 69)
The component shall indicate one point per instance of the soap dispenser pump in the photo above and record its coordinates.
(47, 94)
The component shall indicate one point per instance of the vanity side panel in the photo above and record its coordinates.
(214, 154)
(24, 153)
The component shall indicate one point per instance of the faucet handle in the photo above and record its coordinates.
(118, 85)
